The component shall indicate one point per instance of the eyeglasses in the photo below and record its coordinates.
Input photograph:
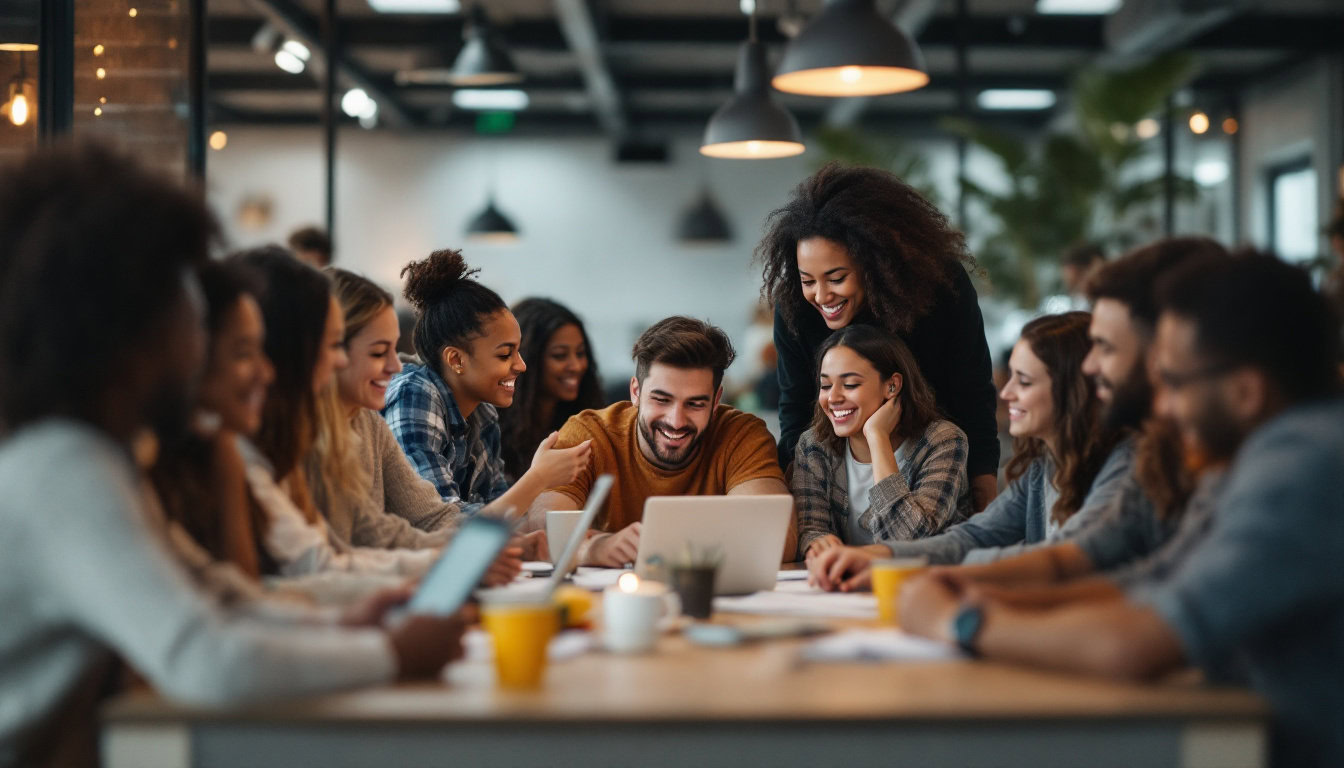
(1177, 381)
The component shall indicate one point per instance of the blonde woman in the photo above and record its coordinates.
(370, 493)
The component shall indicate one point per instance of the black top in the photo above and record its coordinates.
(950, 348)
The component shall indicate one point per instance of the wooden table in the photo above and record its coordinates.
(687, 705)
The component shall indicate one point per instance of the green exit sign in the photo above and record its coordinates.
(495, 122)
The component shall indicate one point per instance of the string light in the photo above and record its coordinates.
(219, 140)
(133, 13)
(100, 73)
(1199, 123)
(1230, 126)
(97, 111)
(98, 49)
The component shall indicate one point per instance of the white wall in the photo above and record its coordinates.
(597, 236)
(1295, 114)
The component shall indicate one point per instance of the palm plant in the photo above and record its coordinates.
(1074, 186)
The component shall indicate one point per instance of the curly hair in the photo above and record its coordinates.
(93, 249)
(889, 355)
(451, 306)
(520, 425)
(903, 246)
(1061, 342)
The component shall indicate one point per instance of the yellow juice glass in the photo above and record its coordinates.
(521, 633)
(888, 576)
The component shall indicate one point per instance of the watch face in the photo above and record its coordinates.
(966, 626)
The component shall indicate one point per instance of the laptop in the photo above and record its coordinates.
(749, 532)
(531, 589)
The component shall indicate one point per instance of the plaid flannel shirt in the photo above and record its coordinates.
(930, 493)
(461, 457)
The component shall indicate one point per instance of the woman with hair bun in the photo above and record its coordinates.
(444, 409)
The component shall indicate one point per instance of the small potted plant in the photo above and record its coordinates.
(692, 577)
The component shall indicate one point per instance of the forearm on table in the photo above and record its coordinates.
(545, 502)
(1113, 638)
(1045, 565)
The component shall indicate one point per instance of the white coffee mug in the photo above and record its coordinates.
(631, 610)
(560, 524)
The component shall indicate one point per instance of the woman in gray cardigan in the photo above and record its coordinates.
(1058, 466)
(876, 464)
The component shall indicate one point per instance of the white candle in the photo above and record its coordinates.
(630, 613)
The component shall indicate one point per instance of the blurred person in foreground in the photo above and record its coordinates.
(102, 341)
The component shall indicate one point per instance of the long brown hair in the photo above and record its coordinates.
(889, 355)
(521, 429)
(294, 304)
(1061, 342)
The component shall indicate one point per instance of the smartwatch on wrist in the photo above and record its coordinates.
(966, 627)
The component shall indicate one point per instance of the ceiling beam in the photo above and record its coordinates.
(1252, 31)
(296, 23)
(576, 23)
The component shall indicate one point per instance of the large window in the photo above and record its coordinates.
(1294, 225)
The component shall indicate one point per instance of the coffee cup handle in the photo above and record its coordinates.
(671, 605)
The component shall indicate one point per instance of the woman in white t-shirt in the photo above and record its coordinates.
(877, 462)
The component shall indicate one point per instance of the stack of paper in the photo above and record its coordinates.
(878, 645)
(796, 598)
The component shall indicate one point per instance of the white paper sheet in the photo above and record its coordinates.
(597, 579)
(878, 645)
(796, 598)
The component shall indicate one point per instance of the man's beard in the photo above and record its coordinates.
(663, 459)
(1219, 434)
(1131, 402)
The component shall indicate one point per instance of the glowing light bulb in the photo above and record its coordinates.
(98, 49)
(97, 111)
(1230, 126)
(133, 13)
(754, 147)
(628, 582)
(100, 73)
(102, 99)
(1199, 123)
(19, 109)
(219, 140)
(851, 74)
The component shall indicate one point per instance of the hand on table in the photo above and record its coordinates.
(841, 569)
(425, 644)
(614, 550)
(928, 603)
(821, 544)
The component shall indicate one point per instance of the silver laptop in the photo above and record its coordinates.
(749, 532)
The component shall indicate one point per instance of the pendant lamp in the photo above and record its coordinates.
(851, 50)
(703, 223)
(483, 59)
(491, 226)
(752, 125)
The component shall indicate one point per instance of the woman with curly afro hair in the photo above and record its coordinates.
(858, 245)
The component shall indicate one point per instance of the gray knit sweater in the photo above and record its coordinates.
(400, 509)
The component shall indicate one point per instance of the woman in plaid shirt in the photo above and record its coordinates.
(444, 409)
(876, 464)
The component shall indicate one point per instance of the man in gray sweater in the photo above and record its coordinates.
(100, 343)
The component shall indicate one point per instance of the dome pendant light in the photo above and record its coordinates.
(491, 226)
(483, 59)
(851, 50)
(703, 223)
(752, 125)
